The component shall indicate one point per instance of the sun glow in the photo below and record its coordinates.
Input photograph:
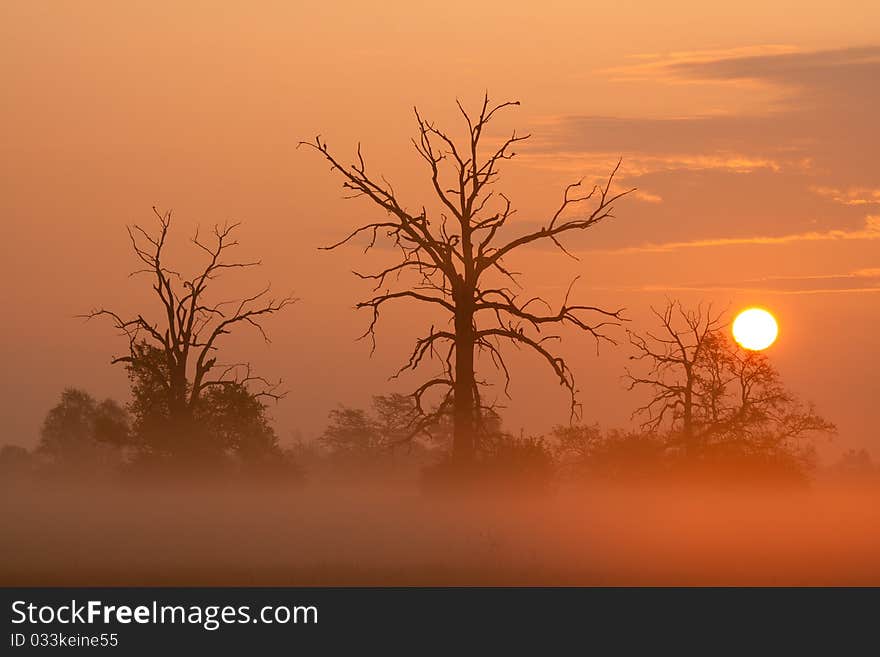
(755, 329)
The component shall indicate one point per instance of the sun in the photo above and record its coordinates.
(755, 329)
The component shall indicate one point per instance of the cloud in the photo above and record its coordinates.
(803, 155)
(652, 66)
(858, 281)
(851, 196)
(870, 231)
(808, 70)
(596, 163)
(647, 197)
(824, 114)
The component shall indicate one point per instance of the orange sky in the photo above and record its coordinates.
(750, 131)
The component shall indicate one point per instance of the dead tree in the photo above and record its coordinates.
(454, 261)
(710, 392)
(188, 327)
(674, 358)
(759, 409)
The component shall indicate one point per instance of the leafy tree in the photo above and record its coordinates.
(613, 454)
(353, 432)
(396, 415)
(523, 459)
(576, 444)
(80, 432)
(234, 417)
(381, 436)
(229, 420)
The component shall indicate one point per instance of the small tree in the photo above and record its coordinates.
(373, 440)
(173, 360)
(82, 433)
(236, 418)
(718, 397)
(610, 454)
(352, 433)
(455, 263)
(750, 410)
(575, 444)
(395, 416)
(389, 425)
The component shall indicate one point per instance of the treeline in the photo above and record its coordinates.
(714, 410)
(82, 437)
(192, 410)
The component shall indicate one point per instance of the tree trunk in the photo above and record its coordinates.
(464, 413)
(687, 423)
(688, 414)
(179, 413)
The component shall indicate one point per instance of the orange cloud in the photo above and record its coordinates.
(663, 66)
(871, 231)
(647, 197)
(640, 164)
(851, 196)
(858, 281)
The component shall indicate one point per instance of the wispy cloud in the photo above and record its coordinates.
(858, 281)
(820, 117)
(851, 196)
(871, 231)
(638, 164)
(647, 197)
(665, 66)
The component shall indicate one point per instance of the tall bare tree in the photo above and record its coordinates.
(455, 262)
(674, 357)
(178, 349)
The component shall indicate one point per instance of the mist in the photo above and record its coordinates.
(398, 533)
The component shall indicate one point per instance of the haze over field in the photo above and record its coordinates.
(392, 535)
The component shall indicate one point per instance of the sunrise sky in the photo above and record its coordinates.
(749, 130)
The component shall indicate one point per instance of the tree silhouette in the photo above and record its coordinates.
(585, 449)
(359, 432)
(352, 432)
(748, 405)
(674, 356)
(455, 263)
(235, 419)
(82, 433)
(358, 442)
(716, 397)
(174, 358)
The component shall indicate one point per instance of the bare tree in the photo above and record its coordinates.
(674, 356)
(756, 408)
(711, 393)
(457, 266)
(179, 348)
